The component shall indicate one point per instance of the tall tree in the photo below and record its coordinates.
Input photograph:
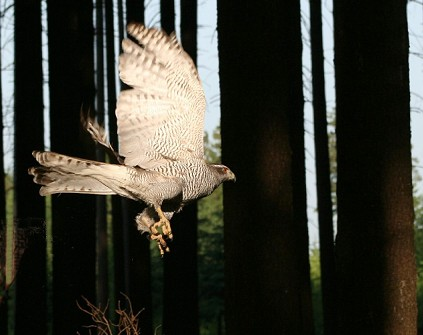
(267, 282)
(116, 202)
(167, 15)
(324, 195)
(31, 309)
(71, 83)
(100, 217)
(374, 244)
(119, 245)
(136, 248)
(3, 223)
(180, 301)
(134, 11)
(418, 207)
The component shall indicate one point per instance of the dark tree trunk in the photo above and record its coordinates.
(71, 83)
(267, 281)
(374, 244)
(189, 27)
(134, 11)
(180, 287)
(167, 15)
(180, 301)
(116, 217)
(119, 245)
(136, 248)
(180, 295)
(324, 194)
(100, 217)
(139, 271)
(31, 309)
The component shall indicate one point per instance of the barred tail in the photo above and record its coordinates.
(64, 174)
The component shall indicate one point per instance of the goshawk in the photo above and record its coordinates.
(160, 128)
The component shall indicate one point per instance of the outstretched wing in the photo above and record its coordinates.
(162, 117)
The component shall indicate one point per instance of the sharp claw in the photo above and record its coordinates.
(161, 243)
(163, 223)
(166, 229)
(159, 231)
(166, 233)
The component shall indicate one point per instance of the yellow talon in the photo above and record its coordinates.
(163, 223)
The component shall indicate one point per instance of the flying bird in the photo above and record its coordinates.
(160, 123)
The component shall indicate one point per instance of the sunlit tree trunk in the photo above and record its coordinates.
(374, 244)
(267, 277)
(29, 210)
(3, 224)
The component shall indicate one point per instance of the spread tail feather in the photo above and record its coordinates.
(64, 174)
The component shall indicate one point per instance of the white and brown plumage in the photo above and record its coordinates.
(160, 128)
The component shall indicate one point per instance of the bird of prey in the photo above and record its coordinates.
(160, 129)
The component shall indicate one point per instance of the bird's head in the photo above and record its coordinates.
(224, 173)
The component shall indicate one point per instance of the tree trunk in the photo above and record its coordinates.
(71, 83)
(136, 248)
(167, 15)
(180, 278)
(267, 281)
(100, 216)
(116, 202)
(180, 298)
(119, 246)
(324, 194)
(29, 211)
(374, 245)
(3, 223)
(134, 11)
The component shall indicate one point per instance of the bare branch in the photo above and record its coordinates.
(127, 324)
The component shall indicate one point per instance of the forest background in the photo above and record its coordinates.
(210, 243)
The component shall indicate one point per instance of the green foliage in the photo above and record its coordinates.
(210, 249)
(316, 289)
(210, 261)
(7, 237)
(212, 147)
(418, 208)
(418, 238)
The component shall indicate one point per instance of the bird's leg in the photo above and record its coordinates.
(145, 225)
(163, 223)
